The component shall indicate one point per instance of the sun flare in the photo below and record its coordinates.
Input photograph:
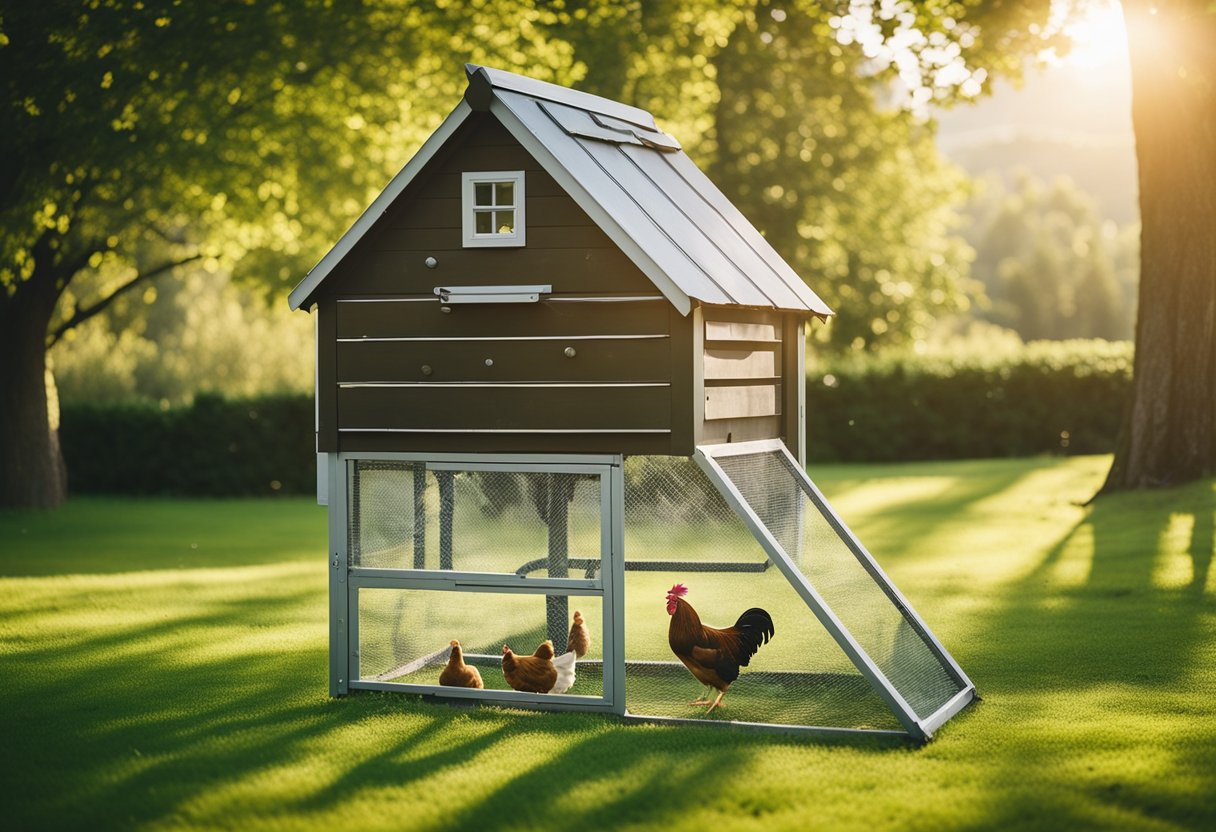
(1099, 36)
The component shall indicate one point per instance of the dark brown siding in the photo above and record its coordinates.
(327, 393)
(587, 369)
(564, 247)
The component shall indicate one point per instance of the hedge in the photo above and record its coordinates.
(1061, 398)
(214, 448)
(1046, 398)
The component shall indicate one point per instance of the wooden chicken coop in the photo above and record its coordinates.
(548, 354)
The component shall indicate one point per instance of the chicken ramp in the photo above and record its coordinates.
(841, 583)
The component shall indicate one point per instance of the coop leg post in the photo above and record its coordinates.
(561, 490)
(419, 516)
(447, 507)
(339, 596)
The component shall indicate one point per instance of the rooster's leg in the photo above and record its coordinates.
(703, 699)
(717, 703)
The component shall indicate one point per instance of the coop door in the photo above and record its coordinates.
(486, 553)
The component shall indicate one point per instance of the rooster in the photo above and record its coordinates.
(714, 656)
(578, 641)
(540, 672)
(458, 674)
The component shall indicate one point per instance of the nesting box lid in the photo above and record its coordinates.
(632, 179)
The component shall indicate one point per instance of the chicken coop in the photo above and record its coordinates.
(558, 370)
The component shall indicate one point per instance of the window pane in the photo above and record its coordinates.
(484, 222)
(504, 193)
(482, 193)
(504, 221)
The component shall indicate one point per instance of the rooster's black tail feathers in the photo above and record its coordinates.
(755, 628)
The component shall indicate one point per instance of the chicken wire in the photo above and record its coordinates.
(678, 529)
(404, 515)
(411, 516)
(404, 635)
(803, 527)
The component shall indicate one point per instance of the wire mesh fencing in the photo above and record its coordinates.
(679, 529)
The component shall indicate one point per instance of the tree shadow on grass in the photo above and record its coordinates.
(1097, 655)
(900, 526)
(209, 714)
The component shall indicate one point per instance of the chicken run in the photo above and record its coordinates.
(560, 435)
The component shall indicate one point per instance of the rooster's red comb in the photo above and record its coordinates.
(679, 591)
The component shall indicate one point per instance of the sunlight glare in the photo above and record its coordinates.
(1099, 37)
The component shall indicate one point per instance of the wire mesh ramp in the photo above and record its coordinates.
(849, 652)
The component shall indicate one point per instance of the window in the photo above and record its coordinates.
(493, 208)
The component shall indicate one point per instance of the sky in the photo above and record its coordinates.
(1072, 118)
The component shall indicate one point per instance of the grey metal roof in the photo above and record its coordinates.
(636, 182)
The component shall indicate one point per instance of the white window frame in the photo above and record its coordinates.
(469, 209)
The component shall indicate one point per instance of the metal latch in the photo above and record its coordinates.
(492, 294)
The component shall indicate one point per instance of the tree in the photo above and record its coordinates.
(142, 137)
(1046, 261)
(1169, 431)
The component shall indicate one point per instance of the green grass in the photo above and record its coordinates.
(164, 666)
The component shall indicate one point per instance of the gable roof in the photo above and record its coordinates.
(632, 179)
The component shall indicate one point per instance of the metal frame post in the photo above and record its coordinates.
(339, 563)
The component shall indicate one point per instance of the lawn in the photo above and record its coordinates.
(164, 666)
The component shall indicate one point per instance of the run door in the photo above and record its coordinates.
(487, 551)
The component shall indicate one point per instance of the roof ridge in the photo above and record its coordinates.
(483, 80)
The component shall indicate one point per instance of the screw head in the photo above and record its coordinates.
(489, 362)
(431, 262)
(569, 352)
(426, 369)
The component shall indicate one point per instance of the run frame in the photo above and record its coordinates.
(346, 581)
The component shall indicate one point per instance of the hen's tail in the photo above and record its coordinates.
(565, 672)
(755, 628)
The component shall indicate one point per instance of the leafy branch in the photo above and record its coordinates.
(83, 313)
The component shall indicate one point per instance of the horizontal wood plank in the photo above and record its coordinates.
(436, 240)
(602, 360)
(741, 331)
(741, 402)
(719, 431)
(569, 271)
(504, 443)
(441, 183)
(504, 408)
(473, 157)
(386, 319)
(741, 364)
(444, 212)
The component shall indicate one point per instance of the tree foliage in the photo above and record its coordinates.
(143, 135)
(1051, 268)
(244, 135)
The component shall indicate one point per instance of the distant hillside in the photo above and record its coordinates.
(1103, 168)
(1065, 120)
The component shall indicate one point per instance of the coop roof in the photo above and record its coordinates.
(633, 180)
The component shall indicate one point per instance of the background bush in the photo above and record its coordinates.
(215, 447)
(1048, 397)
(1063, 397)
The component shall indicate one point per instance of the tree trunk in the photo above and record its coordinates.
(1169, 427)
(32, 473)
